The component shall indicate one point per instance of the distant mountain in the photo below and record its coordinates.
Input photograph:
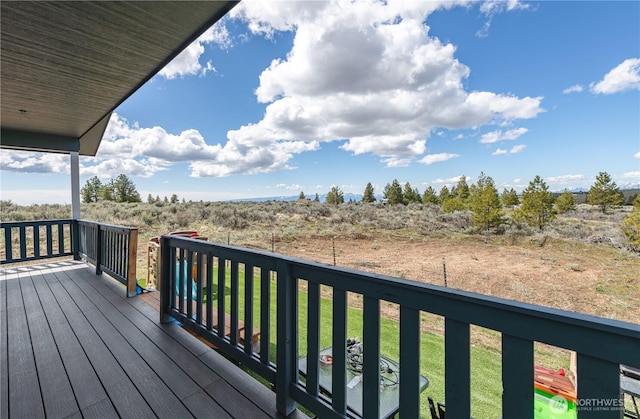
(347, 197)
(629, 189)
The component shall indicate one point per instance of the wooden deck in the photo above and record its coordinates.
(73, 345)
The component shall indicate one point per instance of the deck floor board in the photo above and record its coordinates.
(73, 345)
(58, 398)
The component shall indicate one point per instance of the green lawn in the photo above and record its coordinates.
(486, 380)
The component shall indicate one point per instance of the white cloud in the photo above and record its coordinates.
(566, 180)
(34, 162)
(368, 74)
(450, 181)
(517, 148)
(637, 155)
(154, 149)
(493, 7)
(187, 63)
(292, 187)
(495, 136)
(573, 89)
(625, 76)
(630, 175)
(436, 158)
(514, 150)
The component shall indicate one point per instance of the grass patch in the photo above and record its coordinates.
(486, 379)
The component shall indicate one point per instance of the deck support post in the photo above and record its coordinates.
(75, 185)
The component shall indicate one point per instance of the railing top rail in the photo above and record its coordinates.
(598, 336)
(6, 224)
(109, 227)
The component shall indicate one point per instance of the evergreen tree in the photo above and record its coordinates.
(631, 225)
(410, 195)
(124, 190)
(429, 196)
(486, 206)
(91, 190)
(565, 202)
(301, 196)
(444, 194)
(510, 198)
(393, 193)
(461, 190)
(317, 198)
(335, 196)
(150, 199)
(537, 204)
(368, 195)
(604, 193)
(174, 199)
(453, 204)
(107, 192)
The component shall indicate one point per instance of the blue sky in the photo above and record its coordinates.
(282, 97)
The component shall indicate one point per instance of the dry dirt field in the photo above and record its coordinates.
(551, 272)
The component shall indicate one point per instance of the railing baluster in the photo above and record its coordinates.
(338, 380)
(199, 286)
(209, 294)
(49, 240)
(189, 283)
(248, 308)
(517, 377)
(371, 358)
(222, 268)
(598, 388)
(23, 242)
(60, 239)
(98, 249)
(313, 337)
(36, 241)
(265, 315)
(409, 362)
(234, 303)
(457, 369)
(181, 280)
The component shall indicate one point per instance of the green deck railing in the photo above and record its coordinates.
(109, 248)
(601, 345)
(35, 240)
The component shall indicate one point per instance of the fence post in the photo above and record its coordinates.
(287, 340)
(132, 256)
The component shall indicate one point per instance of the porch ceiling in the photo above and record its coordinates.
(67, 65)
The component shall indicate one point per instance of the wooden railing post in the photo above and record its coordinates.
(164, 283)
(132, 256)
(287, 339)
